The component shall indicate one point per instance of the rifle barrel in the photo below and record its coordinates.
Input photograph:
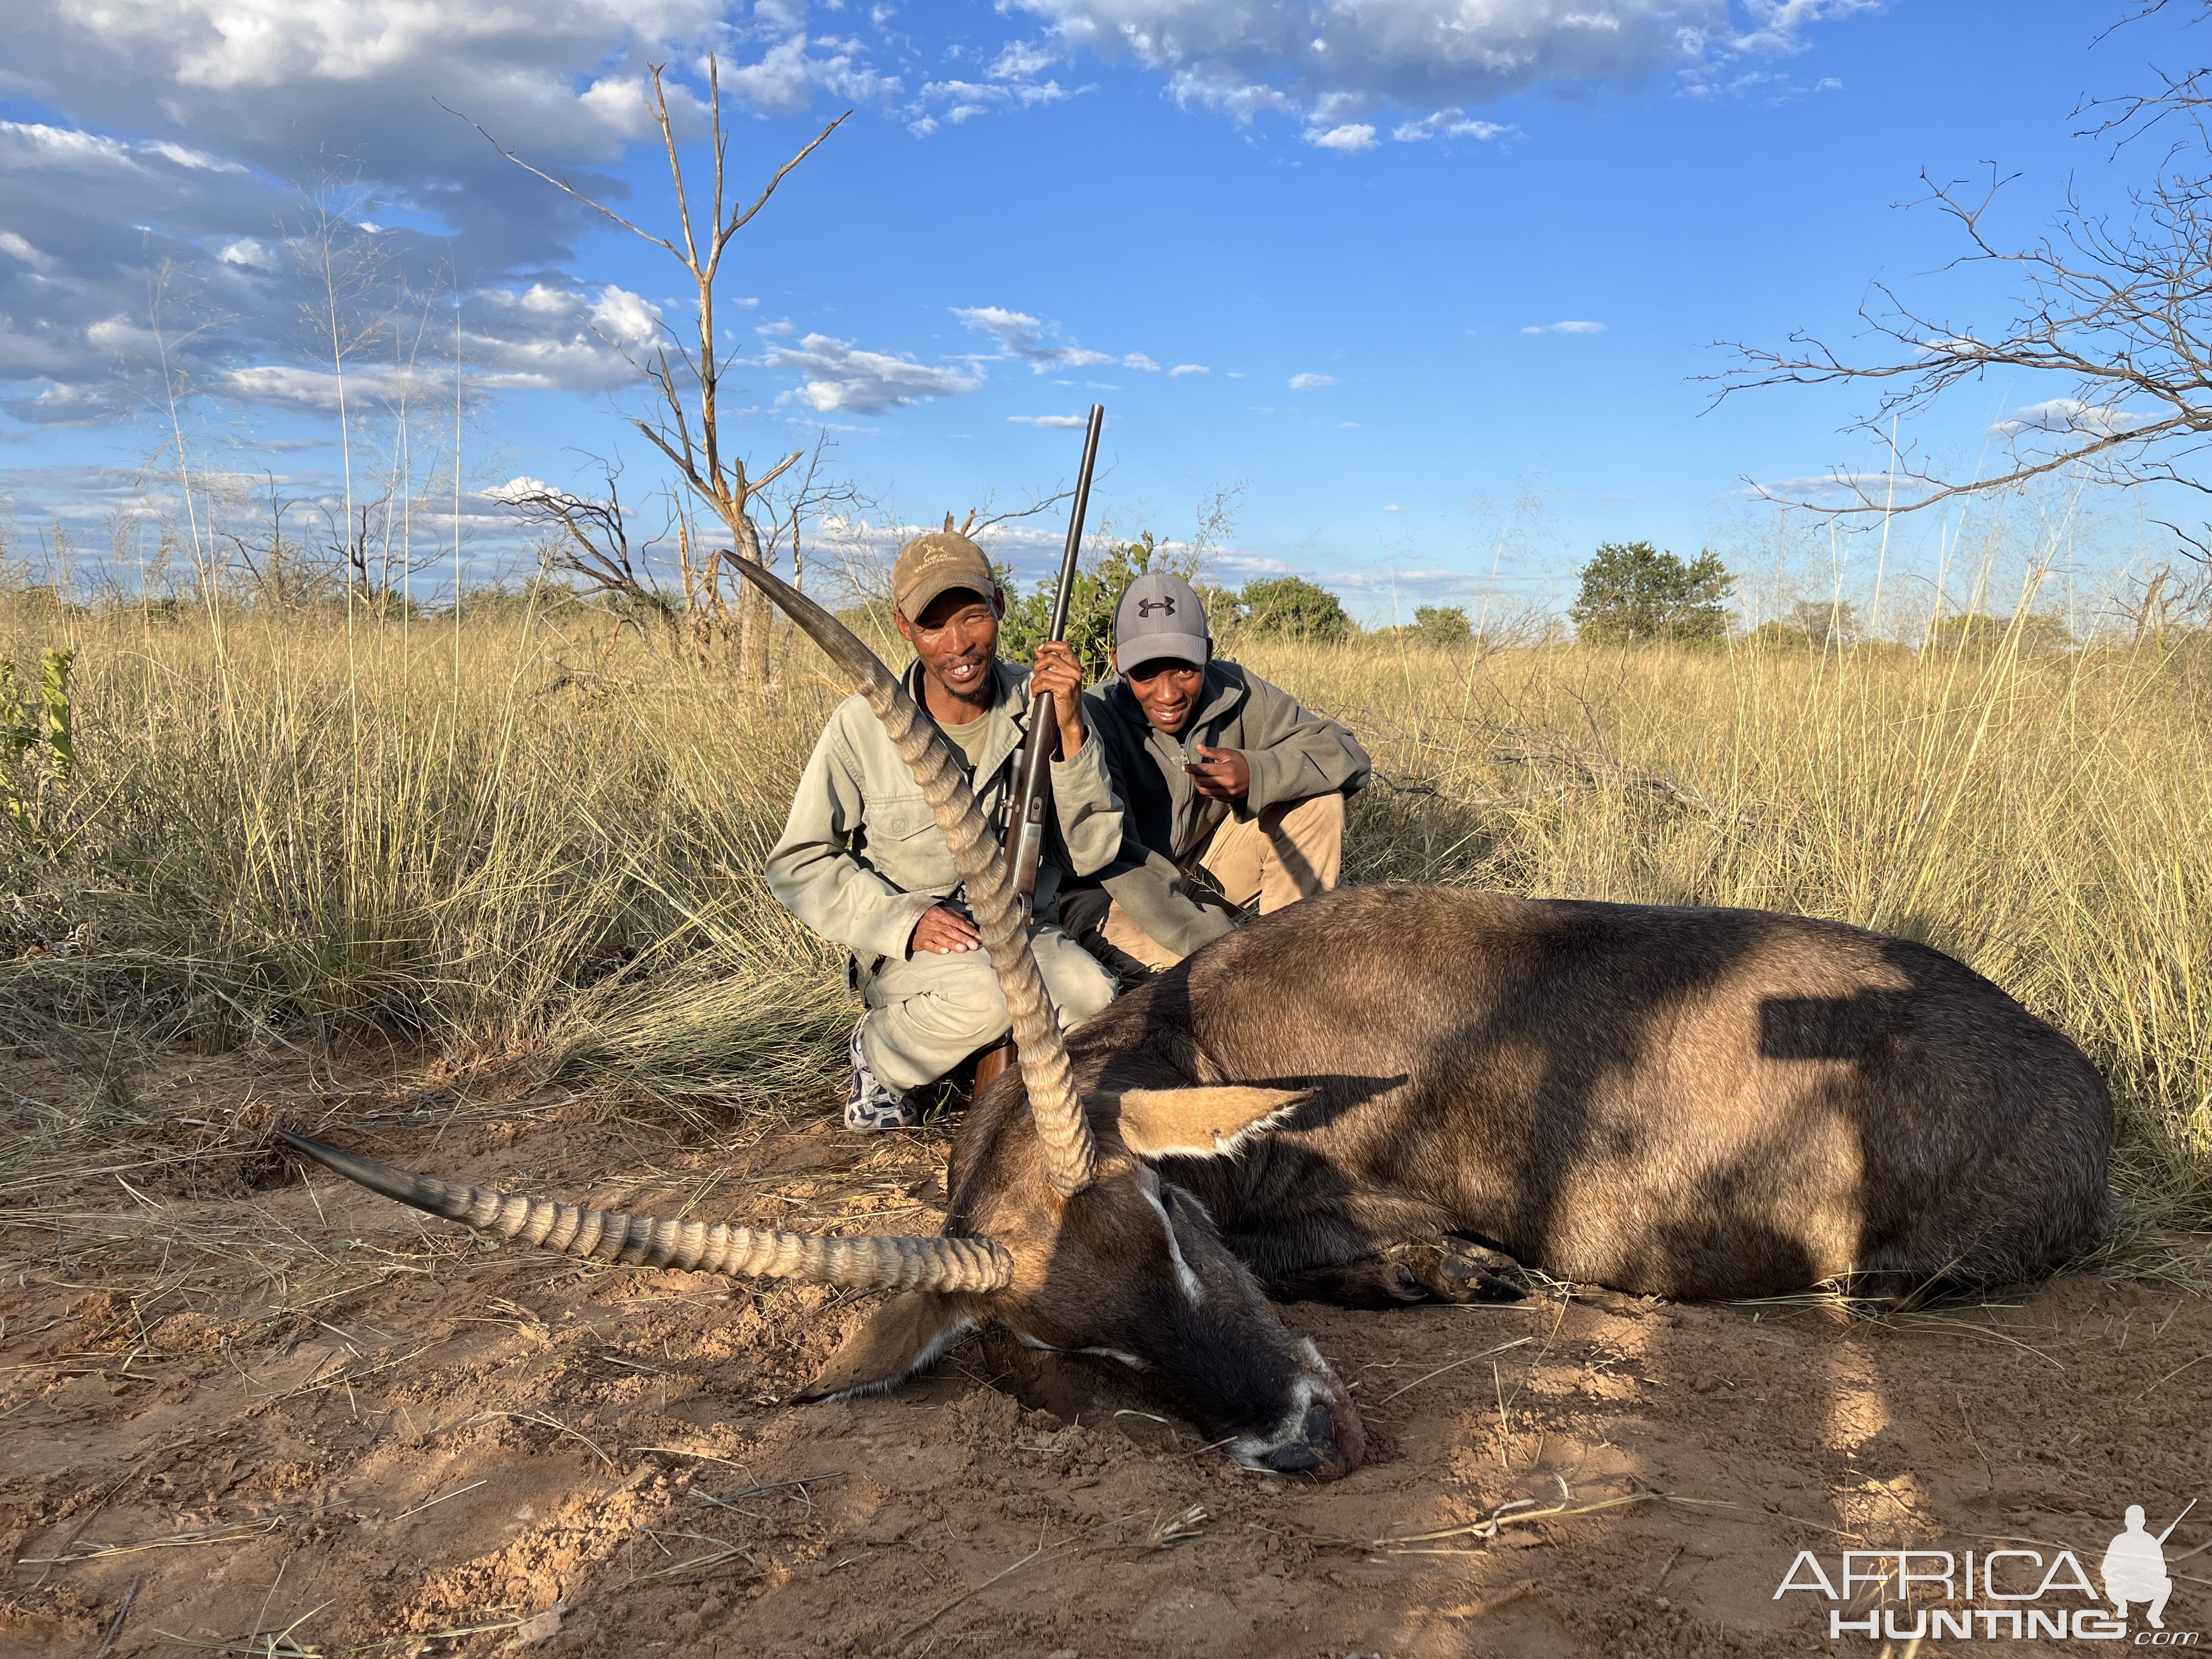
(2178, 1520)
(1032, 791)
(1067, 593)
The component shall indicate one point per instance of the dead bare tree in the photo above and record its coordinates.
(804, 497)
(279, 570)
(359, 553)
(684, 424)
(588, 541)
(2113, 314)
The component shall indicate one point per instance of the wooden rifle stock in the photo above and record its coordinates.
(1032, 795)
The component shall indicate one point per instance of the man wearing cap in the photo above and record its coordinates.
(1232, 793)
(863, 863)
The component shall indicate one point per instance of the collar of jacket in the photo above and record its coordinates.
(1008, 714)
(1220, 695)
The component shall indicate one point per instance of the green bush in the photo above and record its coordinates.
(1633, 593)
(1290, 607)
(1099, 588)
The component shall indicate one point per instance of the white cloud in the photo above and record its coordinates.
(1049, 420)
(1327, 60)
(523, 487)
(1139, 361)
(251, 252)
(1452, 123)
(1188, 368)
(627, 318)
(1020, 59)
(1352, 138)
(1311, 382)
(1394, 508)
(256, 89)
(2069, 417)
(1864, 485)
(543, 338)
(316, 390)
(781, 83)
(19, 247)
(962, 101)
(840, 376)
(1031, 339)
(1565, 328)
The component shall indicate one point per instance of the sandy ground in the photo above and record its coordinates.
(243, 1412)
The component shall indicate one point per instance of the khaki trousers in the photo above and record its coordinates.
(1290, 851)
(928, 1013)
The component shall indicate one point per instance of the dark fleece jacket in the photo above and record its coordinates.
(1294, 755)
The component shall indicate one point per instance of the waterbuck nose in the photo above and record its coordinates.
(1315, 1449)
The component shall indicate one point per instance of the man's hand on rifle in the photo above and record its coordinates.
(1059, 671)
(1222, 774)
(943, 933)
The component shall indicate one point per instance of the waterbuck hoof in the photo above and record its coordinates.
(1455, 1270)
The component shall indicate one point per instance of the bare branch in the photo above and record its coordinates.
(685, 423)
(2120, 314)
(742, 220)
(565, 188)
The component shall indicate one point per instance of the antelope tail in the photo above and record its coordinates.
(863, 1263)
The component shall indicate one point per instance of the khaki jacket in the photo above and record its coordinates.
(861, 856)
(1294, 755)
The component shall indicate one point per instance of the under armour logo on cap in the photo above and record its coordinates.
(1160, 618)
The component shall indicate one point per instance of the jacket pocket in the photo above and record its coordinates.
(906, 846)
(900, 818)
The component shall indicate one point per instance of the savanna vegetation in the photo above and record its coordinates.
(518, 845)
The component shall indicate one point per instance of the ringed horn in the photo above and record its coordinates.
(863, 1263)
(1071, 1155)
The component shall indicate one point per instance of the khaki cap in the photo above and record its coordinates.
(937, 562)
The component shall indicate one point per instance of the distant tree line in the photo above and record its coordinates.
(1275, 607)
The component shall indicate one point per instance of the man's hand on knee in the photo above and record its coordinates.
(943, 933)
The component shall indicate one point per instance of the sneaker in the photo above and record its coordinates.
(871, 1107)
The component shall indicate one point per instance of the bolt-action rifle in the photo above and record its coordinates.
(1032, 795)
(1031, 801)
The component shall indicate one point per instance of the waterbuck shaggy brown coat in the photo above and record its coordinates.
(1390, 1093)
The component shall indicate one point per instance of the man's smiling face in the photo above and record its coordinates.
(957, 637)
(1166, 689)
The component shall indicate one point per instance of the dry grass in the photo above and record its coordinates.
(284, 835)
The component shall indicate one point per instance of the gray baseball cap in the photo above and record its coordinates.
(1160, 616)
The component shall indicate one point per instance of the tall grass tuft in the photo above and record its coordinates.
(272, 833)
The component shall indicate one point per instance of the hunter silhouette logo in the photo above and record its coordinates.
(1145, 607)
(2007, 1594)
(2134, 1568)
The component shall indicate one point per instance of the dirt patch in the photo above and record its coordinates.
(280, 1418)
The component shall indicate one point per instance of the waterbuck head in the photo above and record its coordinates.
(1060, 1228)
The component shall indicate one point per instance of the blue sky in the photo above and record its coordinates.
(1319, 253)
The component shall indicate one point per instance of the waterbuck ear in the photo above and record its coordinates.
(908, 1333)
(1203, 1122)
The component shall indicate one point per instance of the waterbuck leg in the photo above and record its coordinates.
(1445, 1269)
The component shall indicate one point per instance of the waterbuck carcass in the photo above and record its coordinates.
(1391, 1093)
